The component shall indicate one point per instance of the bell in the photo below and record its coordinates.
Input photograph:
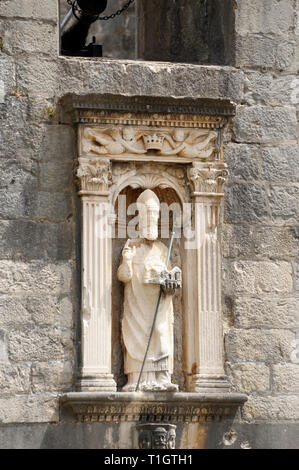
(92, 7)
(75, 31)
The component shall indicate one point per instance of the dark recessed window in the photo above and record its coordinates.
(191, 31)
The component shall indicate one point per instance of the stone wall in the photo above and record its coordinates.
(40, 222)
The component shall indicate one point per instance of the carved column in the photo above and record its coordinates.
(207, 361)
(95, 180)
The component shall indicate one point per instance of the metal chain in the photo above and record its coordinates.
(76, 9)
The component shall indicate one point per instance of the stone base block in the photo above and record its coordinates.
(204, 383)
(101, 383)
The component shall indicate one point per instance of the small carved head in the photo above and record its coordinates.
(160, 438)
(129, 134)
(148, 206)
(145, 440)
(179, 135)
(171, 439)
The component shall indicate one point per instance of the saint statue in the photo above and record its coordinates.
(143, 271)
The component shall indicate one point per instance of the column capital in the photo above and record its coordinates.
(207, 179)
(94, 176)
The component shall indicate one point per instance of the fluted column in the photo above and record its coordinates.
(94, 177)
(208, 367)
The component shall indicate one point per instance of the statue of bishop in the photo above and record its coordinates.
(143, 271)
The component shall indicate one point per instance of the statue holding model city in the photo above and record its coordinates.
(145, 274)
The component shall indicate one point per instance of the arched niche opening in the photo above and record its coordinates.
(169, 198)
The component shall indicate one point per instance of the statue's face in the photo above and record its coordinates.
(179, 135)
(160, 440)
(148, 222)
(144, 440)
(128, 134)
(171, 439)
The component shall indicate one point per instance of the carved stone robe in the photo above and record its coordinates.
(140, 300)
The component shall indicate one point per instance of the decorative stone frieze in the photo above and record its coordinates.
(191, 144)
(152, 408)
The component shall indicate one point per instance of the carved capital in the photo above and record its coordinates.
(206, 179)
(95, 176)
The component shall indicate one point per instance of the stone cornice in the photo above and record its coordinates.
(89, 108)
(153, 407)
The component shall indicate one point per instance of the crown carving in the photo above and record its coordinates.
(153, 141)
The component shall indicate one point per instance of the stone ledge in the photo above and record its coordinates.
(152, 407)
(160, 79)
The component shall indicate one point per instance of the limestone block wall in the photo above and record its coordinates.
(40, 223)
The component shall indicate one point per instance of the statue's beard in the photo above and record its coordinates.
(149, 233)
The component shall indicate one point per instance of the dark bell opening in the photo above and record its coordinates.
(93, 7)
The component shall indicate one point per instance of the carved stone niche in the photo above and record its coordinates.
(178, 156)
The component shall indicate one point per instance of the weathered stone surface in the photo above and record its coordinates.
(47, 310)
(39, 344)
(12, 205)
(24, 240)
(7, 77)
(281, 164)
(38, 76)
(264, 89)
(16, 174)
(41, 310)
(266, 312)
(38, 277)
(259, 345)
(52, 376)
(41, 408)
(256, 241)
(271, 408)
(57, 142)
(54, 177)
(12, 312)
(254, 50)
(249, 377)
(286, 378)
(45, 205)
(3, 346)
(245, 203)
(243, 161)
(14, 379)
(284, 203)
(19, 141)
(264, 16)
(256, 277)
(263, 124)
(43, 9)
(30, 37)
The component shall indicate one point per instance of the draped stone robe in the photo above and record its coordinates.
(140, 300)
